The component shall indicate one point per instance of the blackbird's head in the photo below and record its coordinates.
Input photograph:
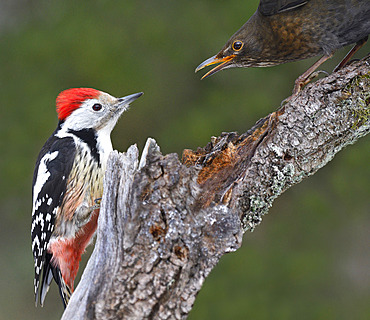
(243, 49)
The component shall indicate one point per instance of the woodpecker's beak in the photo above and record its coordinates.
(128, 99)
(225, 62)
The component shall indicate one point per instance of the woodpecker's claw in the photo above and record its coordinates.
(97, 204)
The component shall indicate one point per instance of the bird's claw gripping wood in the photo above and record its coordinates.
(97, 204)
(309, 75)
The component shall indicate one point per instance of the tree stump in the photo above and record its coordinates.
(165, 223)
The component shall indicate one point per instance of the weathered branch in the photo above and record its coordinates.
(164, 224)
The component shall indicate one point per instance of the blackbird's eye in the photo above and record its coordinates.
(237, 45)
(97, 107)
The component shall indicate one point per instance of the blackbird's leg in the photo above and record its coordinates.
(305, 78)
(349, 55)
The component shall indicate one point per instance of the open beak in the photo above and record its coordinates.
(128, 99)
(224, 62)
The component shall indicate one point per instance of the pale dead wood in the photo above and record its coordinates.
(164, 224)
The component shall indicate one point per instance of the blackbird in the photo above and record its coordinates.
(282, 31)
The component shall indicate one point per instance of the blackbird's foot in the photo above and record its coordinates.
(310, 73)
(316, 74)
(304, 79)
(300, 82)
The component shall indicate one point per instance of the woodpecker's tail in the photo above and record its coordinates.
(64, 290)
(49, 273)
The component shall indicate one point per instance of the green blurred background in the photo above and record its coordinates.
(310, 257)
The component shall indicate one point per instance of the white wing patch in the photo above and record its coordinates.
(42, 176)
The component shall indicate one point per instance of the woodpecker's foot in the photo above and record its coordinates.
(83, 214)
(97, 204)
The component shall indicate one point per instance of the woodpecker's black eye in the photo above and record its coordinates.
(96, 107)
(237, 45)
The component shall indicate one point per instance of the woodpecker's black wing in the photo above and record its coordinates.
(53, 166)
(270, 7)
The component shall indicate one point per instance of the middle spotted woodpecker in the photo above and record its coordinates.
(68, 184)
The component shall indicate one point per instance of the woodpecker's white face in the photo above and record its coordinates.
(100, 113)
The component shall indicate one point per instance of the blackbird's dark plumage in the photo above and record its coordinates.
(282, 31)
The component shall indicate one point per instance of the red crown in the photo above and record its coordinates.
(71, 99)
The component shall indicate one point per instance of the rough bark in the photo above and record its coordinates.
(165, 223)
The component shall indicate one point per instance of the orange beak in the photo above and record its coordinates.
(213, 60)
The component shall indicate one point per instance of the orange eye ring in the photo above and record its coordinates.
(237, 45)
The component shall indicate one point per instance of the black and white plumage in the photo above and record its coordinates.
(67, 182)
(49, 186)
